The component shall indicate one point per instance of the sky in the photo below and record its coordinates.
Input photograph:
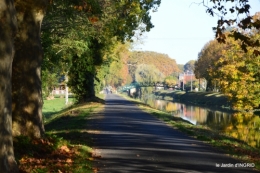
(182, 28)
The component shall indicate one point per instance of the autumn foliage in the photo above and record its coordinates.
(48, 155)
(233, 71)
(161, 62)
(238, 76)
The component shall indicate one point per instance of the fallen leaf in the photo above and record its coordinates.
(65, 148)
(69, 161)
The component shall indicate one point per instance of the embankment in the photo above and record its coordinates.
(205, 99)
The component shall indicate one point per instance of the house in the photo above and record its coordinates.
(59, 89)
(186, 77)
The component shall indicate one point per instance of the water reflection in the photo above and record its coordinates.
(246, 127)
(243, 126)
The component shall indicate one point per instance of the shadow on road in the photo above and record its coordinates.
(129, 140)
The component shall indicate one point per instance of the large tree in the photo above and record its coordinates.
(26, 76)
(7, 32)
(235, 72)
(208, 55)
(238, 75)
(97, 23)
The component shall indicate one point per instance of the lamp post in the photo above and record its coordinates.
(183, 81)
(191, 81)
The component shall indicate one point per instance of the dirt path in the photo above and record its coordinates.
(130, 140)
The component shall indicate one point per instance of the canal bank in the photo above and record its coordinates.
(206, 99)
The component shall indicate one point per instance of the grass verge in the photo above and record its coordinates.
(65, 146)
(231, 146)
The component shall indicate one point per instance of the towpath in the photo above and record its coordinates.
(132, 141)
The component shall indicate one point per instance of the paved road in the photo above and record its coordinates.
(132, 141)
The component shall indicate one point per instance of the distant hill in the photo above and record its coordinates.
(161, 61)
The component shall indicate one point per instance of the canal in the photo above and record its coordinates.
(240, 125)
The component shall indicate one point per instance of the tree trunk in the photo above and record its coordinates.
(26, 77)
(92, 86)
(7, 31)
(89, 87)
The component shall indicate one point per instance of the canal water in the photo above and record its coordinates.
(243, 126)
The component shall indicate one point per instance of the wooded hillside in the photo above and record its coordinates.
(162, 62)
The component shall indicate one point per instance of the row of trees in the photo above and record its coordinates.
(87, 42)
(233, 71)
(20, 75)
(77, 38)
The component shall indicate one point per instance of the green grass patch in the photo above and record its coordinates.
(65, 146)
(51, 107)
